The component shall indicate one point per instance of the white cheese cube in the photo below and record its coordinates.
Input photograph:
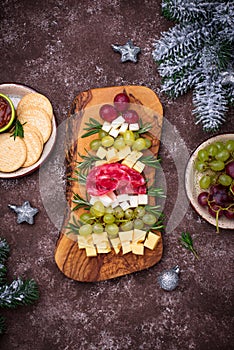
(101, 152)
(138, 236)
(114, 132)
(106, 200)
(139, 166)
(106, 126)
(85, 241)
(117, 122)
(99, 237)
(124, 152)
(126, 236)
(115, 204)
(126, 247)
(134, 127)
(123, 128)
(100, 162)
(111, 155)
(133, 200)
(142, 199)
(103, 247)
(138, 248)
(123, 197)
(125, 205)
(93, 199)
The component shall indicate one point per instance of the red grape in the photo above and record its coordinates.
(230, 169)
(121, 102)
(131, 116)
(203, 199)
(229, 213)
(108, 113)
(213, 209)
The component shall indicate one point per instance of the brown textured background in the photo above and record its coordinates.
(61, 48)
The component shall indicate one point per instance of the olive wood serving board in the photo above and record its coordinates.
(71, 260)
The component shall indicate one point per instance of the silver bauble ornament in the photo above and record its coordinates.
(169, 279)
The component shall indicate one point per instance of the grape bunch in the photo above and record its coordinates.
(216, 162)
(112, 220)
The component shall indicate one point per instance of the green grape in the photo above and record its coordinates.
(95, 144)
(212, 150)
(98, 228)
(205, 182)
(138, 224)
(217, 165)
(129, 137)
(107, 141)
(102, 133)
(85, 230)
(148, 143)
(225, 180)
(200, 166)
(139, 212)
(86, 218)
(109, 219)
(126, 226)
(149, 219)
(230, 145)
(112, 229)
(119, 143)
(109, 210)
(118, 212)
(139, 144)
(203, 155)
(98, 209)
(128, 214)
(219, 145)
(223, 155)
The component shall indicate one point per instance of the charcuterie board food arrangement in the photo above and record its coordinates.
(113, 223)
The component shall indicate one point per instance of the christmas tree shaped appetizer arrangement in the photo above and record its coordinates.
(114, 224)
(198, 53)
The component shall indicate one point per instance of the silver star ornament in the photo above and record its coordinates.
(128, 51)
(25, 212)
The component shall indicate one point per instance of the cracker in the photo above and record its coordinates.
(38, 118)
(12, 153)
(36, 130)
(34, 146)
(35, 100)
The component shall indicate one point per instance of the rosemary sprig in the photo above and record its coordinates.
(144, 127)
(19, 130)
(158, 226)
(153, 209)
(187, 242)
(81, 178)
(73, 227)
(93, 127)
(150, 161)
(81, 203)
(156, 192)
(87, 161)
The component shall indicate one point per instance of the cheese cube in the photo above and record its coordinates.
(125, 236)
(123, 197)
(128, 162)
(116, 244)
(151, 240)
(85, 241)
(133, 201)
(103, 247)
(126, 247)
(138, 235)
(100, 162)
(114, 132)
(101, 152)
(106, 126)
(134, 127)
(123, 128)
(125, 205)
(115, 204)
(142, 199)
(93, 199)
(112, 155)
(100, 237)
(91, 251)
(139, 166)
(131, 158)
(117, 122)
(124, 152)
(138, 248)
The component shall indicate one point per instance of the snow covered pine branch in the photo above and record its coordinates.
(198, 53)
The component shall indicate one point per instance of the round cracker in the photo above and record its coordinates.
(34, 146)
(36, 100)
(36, 130)
(38, 118)
(12, 153)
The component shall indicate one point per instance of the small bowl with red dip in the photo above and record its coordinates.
(7, 113)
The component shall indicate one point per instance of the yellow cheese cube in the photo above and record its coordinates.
(99, 237)
(116, 244)
(138, 235)
(139, 166)
(112, 155)
(91, 251)
(126, 236)
(124, 152)
(138, 248)
(151, 240)
(85, 241)
(101, 152)
(126, 247)
(100, 162)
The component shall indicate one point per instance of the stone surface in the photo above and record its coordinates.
(61, 48)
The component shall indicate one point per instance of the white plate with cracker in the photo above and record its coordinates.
(32, 151)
